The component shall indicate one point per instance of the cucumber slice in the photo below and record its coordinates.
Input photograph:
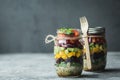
(66, 51)
(58, 49)
(101, 47)
(97, 46)
(61, 48)
(73, 49)
(70, 49)
(91, 45)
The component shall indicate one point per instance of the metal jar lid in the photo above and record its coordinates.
(96, 30)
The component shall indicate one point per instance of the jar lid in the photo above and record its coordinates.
(96, 30)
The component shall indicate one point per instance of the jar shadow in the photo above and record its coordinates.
(83, 76)
(110, 72)
(113, 70)
(107, 73)
(89, 76)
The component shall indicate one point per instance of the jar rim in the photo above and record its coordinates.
(96, 30)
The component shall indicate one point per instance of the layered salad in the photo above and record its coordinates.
(98, 51)
(68, 52)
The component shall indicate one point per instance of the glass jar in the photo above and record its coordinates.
(68, 52)
(98, 49)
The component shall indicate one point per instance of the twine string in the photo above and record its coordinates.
(48, 40)
(92, 36)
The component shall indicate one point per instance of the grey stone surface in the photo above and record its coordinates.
(35, 66)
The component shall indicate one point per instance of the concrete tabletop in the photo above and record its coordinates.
(40, 66)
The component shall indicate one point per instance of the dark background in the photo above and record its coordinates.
(24, 24)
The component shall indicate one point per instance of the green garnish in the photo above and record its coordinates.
(65, 30)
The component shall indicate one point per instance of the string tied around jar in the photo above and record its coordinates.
(50, 38)
(93, 36)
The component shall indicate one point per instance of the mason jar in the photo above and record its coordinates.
(98, 49)
(68, 52)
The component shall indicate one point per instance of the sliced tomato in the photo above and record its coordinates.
(61, 35)
(76, 33)
(93, 40)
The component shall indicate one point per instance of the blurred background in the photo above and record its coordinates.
(24, 24)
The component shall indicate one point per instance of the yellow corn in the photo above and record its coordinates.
(57, 56)
(64, 56)
(95, 50)
(71, 54)
(77, 54)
